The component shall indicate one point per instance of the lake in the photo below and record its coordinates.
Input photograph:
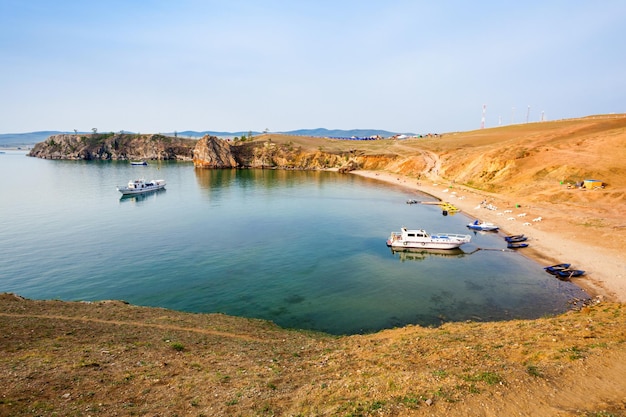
(302, 249)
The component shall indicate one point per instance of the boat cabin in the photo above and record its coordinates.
(414, 233)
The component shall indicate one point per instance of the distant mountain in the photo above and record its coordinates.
(320, 132)
(29, 139)
(195, 134)
(338, 133)
(25, 139)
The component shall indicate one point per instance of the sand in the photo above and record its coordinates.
(552, 238)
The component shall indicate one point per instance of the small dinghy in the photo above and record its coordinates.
(566, 274)
(516, 245)
(515, 238)
(555, 268)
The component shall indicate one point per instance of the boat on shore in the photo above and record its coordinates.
(516, 245)
(483, 226)
(408, 239)
(553, 269)
(515, 238)
(566, 274)
(141, 186)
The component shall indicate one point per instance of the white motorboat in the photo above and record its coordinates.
(482, 226)
(141, 186)
(420, 239)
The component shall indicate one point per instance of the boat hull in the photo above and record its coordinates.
(555, 268)
(516, 245)
(566, 274)
(419, 239)
(423, 245)
(141, 187)
(483, 228)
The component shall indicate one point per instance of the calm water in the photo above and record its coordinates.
(303, 249)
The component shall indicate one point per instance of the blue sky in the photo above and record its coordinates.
(154, 66)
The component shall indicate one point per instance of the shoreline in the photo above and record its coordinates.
(605, 276)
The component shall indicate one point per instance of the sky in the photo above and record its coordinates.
(418, 66)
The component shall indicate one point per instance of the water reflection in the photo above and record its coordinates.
(141, 198)
(421, 254)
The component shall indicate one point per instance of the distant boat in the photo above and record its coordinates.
(141, 186)
(143, 163)
(419, 239)
(486, 227)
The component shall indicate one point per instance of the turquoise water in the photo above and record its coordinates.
(303, 249)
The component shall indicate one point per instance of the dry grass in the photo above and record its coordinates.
(110, 358)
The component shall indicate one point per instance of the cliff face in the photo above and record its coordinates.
(113, 146)
(208, 152)
(211, 152)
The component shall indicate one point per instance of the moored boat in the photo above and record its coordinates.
(566, 274)
(516, 245)
(144, 163)
(555, 268)
(515, 238)
(420, 239)
(141, 186)
(483, 226)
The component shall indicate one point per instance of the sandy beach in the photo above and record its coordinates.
(552, 238)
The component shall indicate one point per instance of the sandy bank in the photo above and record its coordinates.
(552, 238)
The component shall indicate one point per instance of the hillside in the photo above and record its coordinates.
(528, 165)
(109, 358)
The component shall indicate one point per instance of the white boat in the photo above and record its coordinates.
(419, 239)
(142, 163)
(140, 186)
(486, 227)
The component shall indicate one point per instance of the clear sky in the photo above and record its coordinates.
(418, 66)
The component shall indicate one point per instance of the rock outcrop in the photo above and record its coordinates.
(211, 152)
(114, 146)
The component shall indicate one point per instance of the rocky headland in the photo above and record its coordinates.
(207, 152)
(114, 146)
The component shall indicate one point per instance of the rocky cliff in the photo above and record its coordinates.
(115, 146)
(208, 152)
(211, 152)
